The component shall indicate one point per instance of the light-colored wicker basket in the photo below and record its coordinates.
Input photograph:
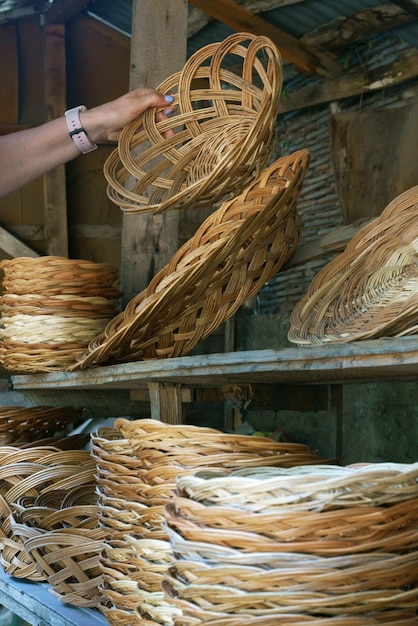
(319, 542)
(51, 308)
(232, 255)
(137, 465)
(220, 135)
(371, 289)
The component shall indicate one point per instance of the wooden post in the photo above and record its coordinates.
(158, 49)
(55, 197)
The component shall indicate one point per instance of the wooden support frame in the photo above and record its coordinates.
(158, 49)
(55, 195)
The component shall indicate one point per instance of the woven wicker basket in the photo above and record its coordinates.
(70, 560)
(51, 308)
(20, 425)
(220, 136)
(137, 466)
(232, 255)
(322, 542)
(29, 473)
(369, 290)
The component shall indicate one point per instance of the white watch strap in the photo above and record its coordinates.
(77, 132)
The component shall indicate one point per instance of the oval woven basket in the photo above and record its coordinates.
(370, 289)
(234, 252)
(220, 135)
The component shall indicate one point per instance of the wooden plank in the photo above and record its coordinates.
(367, 175)
(361, 361)
(403, 69)
(13, 247)
(302, 55)
(9, 75)
(334, 241)
(358, 26)
(408, 5)
(166, 402)
(149, 241)
(198, 19)
(35, 603)
(54, 182)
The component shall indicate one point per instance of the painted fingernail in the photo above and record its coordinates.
(168, 98)
(168, 111)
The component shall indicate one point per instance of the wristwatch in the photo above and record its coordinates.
(77, 132)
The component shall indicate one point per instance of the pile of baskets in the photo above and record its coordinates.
(306, 545)
(51, 307)
(48, 520)
(137, 466)
(26, 425)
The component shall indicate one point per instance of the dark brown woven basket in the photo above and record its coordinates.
(20, 425)
(232, 255)
(220, 136)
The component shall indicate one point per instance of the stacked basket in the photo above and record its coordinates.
(24, 425)
(306, 545)
(137, 466)
(51, 308)
(49, 529)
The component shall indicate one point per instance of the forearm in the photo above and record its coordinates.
(28, 154)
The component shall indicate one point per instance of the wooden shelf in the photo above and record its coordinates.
(362, 361)
(35, 604)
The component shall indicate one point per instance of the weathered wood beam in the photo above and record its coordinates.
(149, 241)
(408, 5)
(359, 25)
(12, 246)
(240, 19)
(198, 19)
(403, 69)
(55, 195)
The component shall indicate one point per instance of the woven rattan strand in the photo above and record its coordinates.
(231, 256)
(220, 136)
(371, 289)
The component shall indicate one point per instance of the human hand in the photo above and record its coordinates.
(105, 122)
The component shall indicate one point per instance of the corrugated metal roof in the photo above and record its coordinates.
(297, 19)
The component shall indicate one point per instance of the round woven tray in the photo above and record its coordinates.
(220, 136)
(54, 275)
(137, 465)
(369, 290)
(310, 488)
(70, 560)
(232, 255)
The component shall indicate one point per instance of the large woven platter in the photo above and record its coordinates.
(371, 289)
(221, 134)
(234, 252)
